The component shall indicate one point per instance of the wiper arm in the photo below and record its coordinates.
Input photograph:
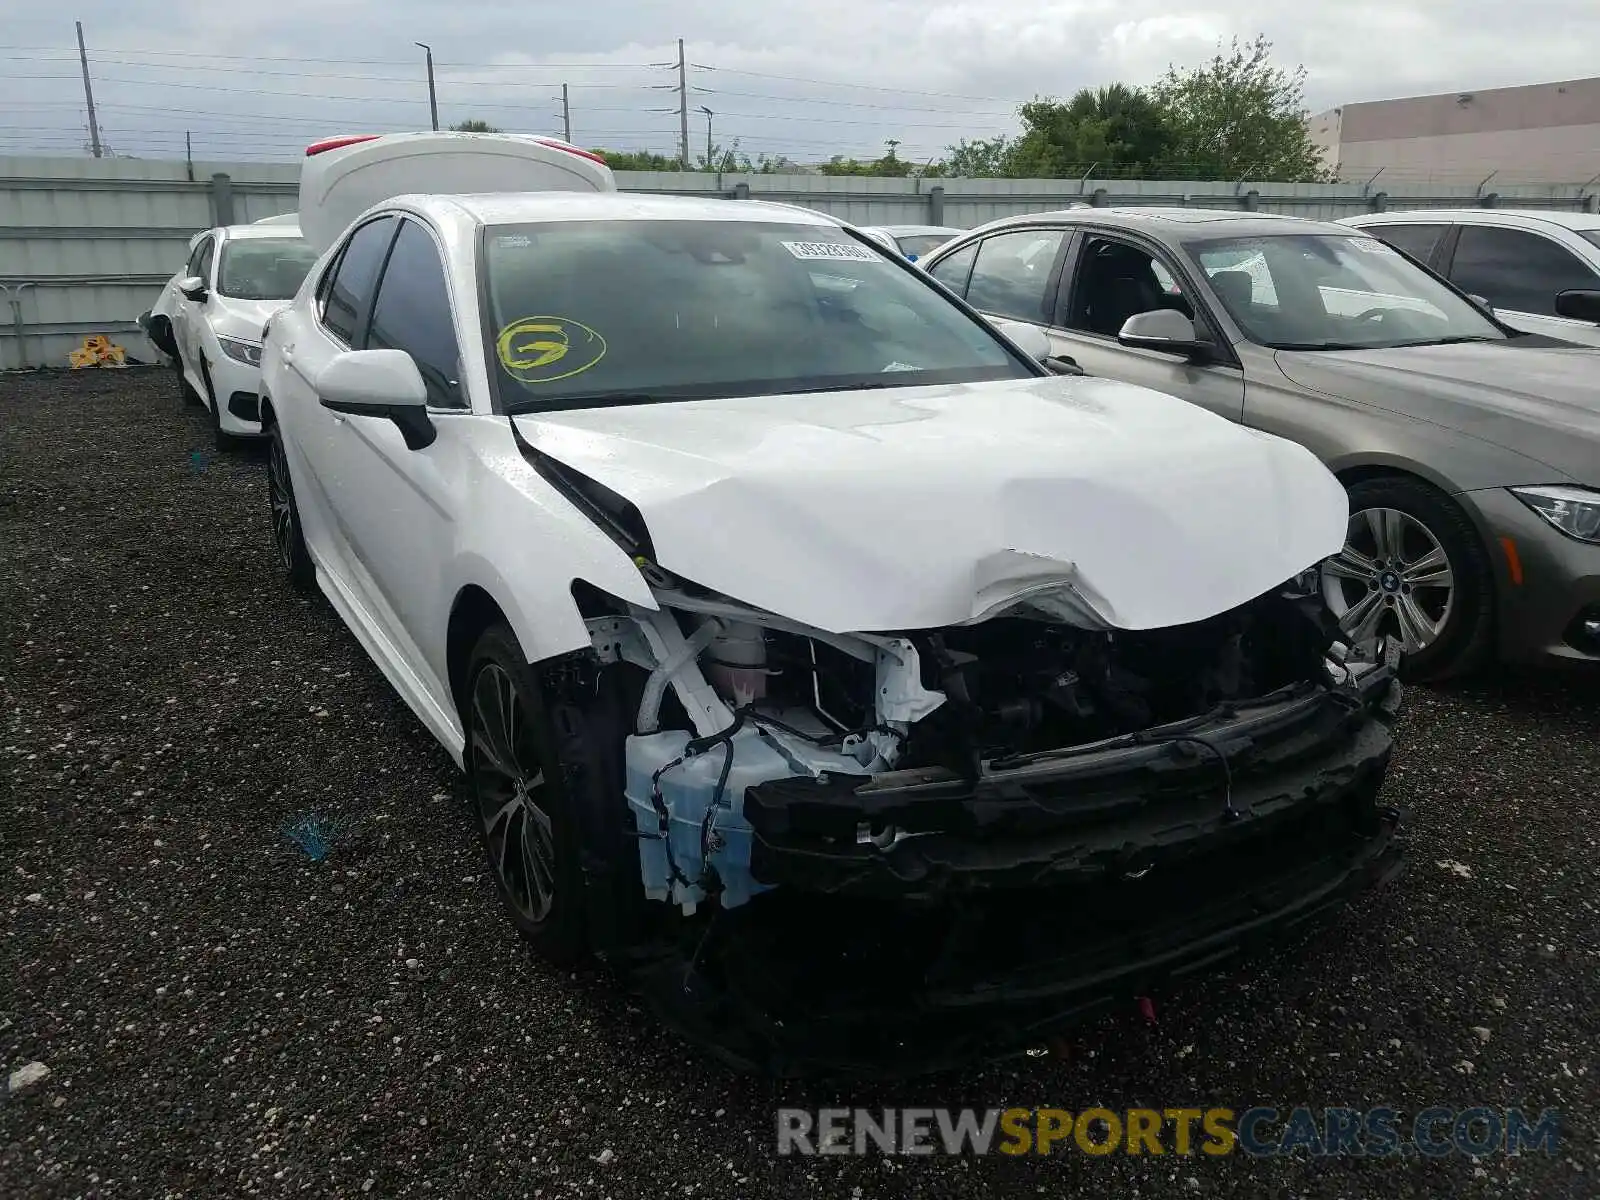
(1322, 346)
(595, 400)
(849, 387)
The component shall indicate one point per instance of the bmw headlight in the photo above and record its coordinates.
(1575, 511)
(249, 353)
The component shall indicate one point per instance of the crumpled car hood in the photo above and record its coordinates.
(1534, 397)
(911, 508)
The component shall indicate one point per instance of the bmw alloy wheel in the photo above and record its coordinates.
(1393, 578)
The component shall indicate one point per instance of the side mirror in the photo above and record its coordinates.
(1030, 339)
(193, 287)
(1163, 329)
(1580, 304)
(379, 383)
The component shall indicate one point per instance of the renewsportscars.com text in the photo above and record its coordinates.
(1255, 1132)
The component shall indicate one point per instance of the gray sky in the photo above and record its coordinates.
(260, 80)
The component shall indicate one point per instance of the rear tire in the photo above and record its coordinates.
(1396, 523)
(287, 534)
(524, 812)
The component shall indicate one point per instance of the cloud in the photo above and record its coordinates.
(835, 76)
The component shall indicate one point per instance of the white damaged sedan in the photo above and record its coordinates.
(753, 578)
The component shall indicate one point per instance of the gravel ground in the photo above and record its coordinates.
(222, 1015)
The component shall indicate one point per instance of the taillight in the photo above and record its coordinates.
(338, 142)
(558, 144)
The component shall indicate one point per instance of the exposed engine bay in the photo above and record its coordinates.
(941, 783)
(741, 703)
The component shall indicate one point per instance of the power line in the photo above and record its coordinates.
(187, 68)
(866, 87)
(857, 103)
(237, 91)
(67, 56)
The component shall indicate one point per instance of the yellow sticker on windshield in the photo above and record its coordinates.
(545, 349)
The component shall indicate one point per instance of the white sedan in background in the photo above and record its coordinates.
(209, 317)
(753, 578)
(1539, 269)
(912, 241)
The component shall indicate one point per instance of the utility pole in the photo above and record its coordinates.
(566, 114)
(433, 99)
(188, 153)
(683, 104)
(709, 114)
(88, 93)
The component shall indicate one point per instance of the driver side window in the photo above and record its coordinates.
(1117, 280)
(412, 313)
(200, 258)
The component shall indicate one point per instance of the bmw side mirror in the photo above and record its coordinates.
(1163, 329)
(193, 287)
(1579, 304)
(379, 383)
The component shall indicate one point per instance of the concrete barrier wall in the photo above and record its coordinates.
(85, 244)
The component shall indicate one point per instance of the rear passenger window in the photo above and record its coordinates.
(1014, 273)
(354, 278)
(412, 313)
(1419, 241)
(953, 271)
(1516, 270)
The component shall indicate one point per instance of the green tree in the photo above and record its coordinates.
(1239, 117)
(768, 165)
(1117, 129)
(725, 158)
(638, 160)
(474, 125)
(981, 158)
(890, 166)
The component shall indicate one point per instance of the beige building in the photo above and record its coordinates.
(1542, 133)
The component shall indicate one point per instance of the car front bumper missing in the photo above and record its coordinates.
(925, 922)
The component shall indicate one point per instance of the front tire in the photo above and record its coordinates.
(1414, 569)
(221, 438)
(287, 534)
(524, 812)
(190, 397)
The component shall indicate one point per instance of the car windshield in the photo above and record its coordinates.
(1335, 292)
(590, 312)
(921, 243)
(264, 268)
(1590, 235)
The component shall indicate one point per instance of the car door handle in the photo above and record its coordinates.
(1063, 364)
(288, 353)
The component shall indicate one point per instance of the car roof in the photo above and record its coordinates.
(913, 230)
(514, 208)
(240, 232)
(1183, 224)
(1489, 216)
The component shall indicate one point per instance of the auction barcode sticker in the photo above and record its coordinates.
(827, 250)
